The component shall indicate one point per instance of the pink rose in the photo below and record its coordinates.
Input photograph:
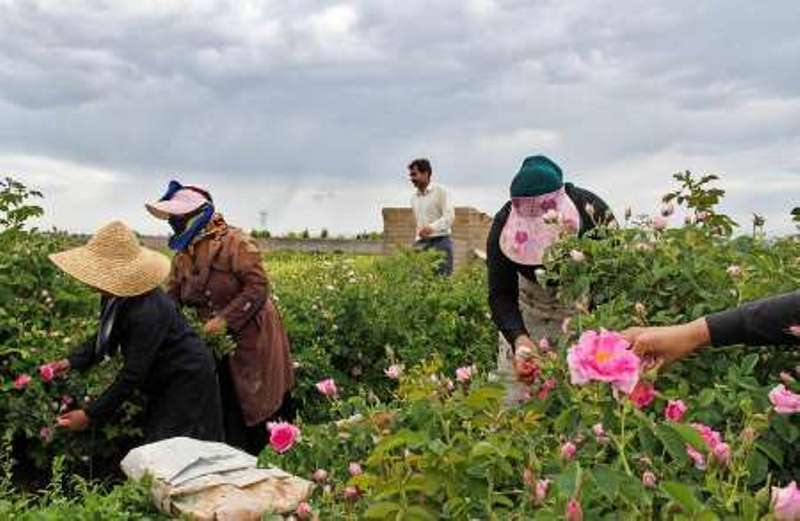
(697, 457)
(649, 479)
(545, 389)
(320, 475)
(544, 344)
(577, 256)
(675, 410)
(574, 510)
(47, 372)
(394, 371)
(46, 434)
(786, 503)
(734, 270)
(352, 493)
(605, 357)
(21, 382)
(282, 436)
(464, 374)
(304, 510)
(660, 223)
(354, 469)
(541, 491)
(722, 453)
(795, 330)
(643, 394)
(784, 401)
(327, 387)
(709, 435)
(568, 451)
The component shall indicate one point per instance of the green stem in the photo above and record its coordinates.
(621, 441)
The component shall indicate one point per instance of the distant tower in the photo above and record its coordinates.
(263, 219)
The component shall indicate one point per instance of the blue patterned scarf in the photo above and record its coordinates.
(187, 229)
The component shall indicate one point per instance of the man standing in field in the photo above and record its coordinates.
(433, 212)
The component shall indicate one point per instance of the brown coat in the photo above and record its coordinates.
(222, 275)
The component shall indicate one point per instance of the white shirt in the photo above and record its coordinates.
(434, 208)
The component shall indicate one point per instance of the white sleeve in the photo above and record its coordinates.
(445, 222)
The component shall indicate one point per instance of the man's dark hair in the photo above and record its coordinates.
(421, 165)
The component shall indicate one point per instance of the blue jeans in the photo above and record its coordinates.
(443, 244)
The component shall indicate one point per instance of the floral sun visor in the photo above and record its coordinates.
(535, 223)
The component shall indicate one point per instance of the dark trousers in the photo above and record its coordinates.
(253, 438)
(443, 244)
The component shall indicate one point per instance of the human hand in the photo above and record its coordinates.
(215, 326)
(76, 420)
(526, 366)
(670, 343)
(426, 231)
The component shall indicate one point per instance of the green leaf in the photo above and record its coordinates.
(419, 513)
(381, 510)
(682, 495)
(673, 443)
(758, 466)
(774, 453)
(707, 515)
(607, 481)
(482, 449)
(749, 363)
(690, 436)
(567, 481)
(485, 397)
(400, 439)
(706, 398)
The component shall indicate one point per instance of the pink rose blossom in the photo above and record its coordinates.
(47, 372)
(352, 493)
(599, 430)
(643, 394)
(649, 479)
(604, 357)
(722, 453)
(394, 371)
(545, 389)
(464, 374)
(304, 510)
(734, 270)
(574, 510)
(786, 502)
(786, 378)
(541, 491)
(660, 223)
(795, 330)
(709, 435)
(697, 457)
(784, 401)
(675, 410)
(577, 256)
(568, 451)
(282, 436)
(544, 344)
(320, 475)
(46, 434)
(355, 469)
(21, 382)
(327, 387)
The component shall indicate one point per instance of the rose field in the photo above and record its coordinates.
(401, 414)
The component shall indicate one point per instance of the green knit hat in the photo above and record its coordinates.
(538, 175)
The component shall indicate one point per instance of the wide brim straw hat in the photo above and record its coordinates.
(114, 261)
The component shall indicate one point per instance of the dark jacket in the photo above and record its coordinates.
(763, 322)
(503, 272)
(222, 275)
(165, 360)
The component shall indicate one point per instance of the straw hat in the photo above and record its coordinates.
(115, 262)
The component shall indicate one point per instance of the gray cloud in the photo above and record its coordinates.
(311, 97)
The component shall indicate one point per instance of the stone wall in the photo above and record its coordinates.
(470, 229)
(350, 246)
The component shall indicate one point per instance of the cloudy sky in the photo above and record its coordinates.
(310, 110)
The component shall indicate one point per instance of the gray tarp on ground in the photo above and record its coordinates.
(213, 481)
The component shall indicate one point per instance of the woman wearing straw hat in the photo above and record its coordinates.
(218, 270)
(542, 209)
(163, 357)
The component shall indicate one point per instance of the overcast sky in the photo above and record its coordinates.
(310, 110)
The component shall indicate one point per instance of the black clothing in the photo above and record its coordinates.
(503, 272)
(164, 359)
(763, 322)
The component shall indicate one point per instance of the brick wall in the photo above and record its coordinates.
(470, 229)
